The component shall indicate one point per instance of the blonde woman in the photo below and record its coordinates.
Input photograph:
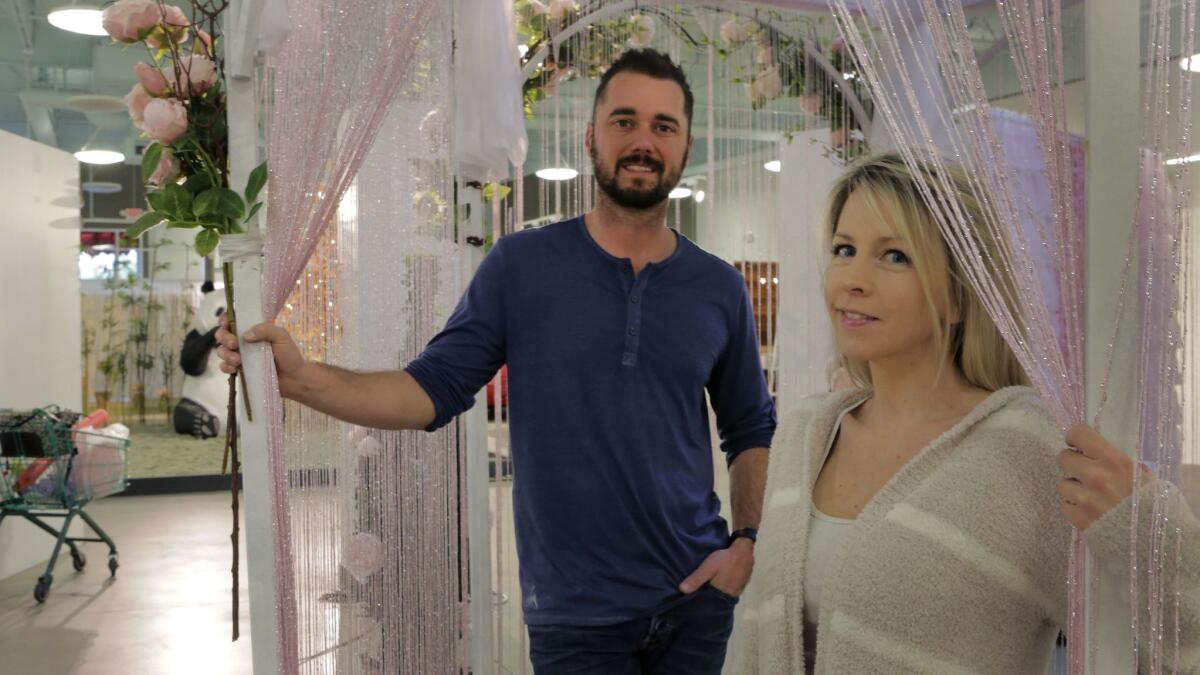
(919, 522)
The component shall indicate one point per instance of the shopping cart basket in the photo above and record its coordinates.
(49, 469)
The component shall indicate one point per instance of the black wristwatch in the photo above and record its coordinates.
(744, 533)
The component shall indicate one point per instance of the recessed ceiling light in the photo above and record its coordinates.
(556, 173)
(680, 192)
(699, 196)
(100, 187)
(99, 156)
(1191, 63)
(1182, 160)
(774, 166)
(81, 19)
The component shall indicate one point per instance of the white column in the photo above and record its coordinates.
(1111, 64)
(256, 479)
(479, 538)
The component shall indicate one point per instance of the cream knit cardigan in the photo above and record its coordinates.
(958, 565)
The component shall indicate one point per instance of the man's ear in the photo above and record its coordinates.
(588, 134)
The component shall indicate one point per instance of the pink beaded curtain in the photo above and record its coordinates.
(1166, 283)
(331, 85)
(913, 43)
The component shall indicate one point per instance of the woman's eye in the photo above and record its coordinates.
(896, 257)
(843, 250)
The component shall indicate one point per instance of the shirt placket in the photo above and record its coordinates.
(635, 287)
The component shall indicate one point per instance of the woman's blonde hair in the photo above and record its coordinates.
(979, 350)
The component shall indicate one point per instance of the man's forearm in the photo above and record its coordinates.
(382, 400)
(747, 483)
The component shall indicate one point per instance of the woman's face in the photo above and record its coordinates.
(872, 291)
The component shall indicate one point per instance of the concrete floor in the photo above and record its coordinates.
(167, 611)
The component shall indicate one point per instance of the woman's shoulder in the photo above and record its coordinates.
(1016, 410)
(1016, 432)
(818, 409)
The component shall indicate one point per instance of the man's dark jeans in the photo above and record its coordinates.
(687, 639)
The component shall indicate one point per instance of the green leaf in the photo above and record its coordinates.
(212, 219)
(221, 201)
(146, 222)
(258, 178)
(206, 241)
(197, 183)
(172, 200)
(182, 224)
(490, 195)
(253, 212)
(150, 160)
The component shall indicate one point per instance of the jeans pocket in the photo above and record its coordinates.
(731, 599)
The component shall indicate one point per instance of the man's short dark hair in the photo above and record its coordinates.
(654, 64)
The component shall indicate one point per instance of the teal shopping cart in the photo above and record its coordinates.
(49, 469)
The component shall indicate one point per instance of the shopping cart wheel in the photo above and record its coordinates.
(78, 559)
(113, 565)
(42, 589)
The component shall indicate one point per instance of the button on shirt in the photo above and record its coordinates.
(607, 373)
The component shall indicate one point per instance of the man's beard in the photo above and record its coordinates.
(639, 198)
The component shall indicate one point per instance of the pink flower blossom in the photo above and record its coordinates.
(130, 20)
(766, 84)
(363, 555)
(810, 103)
(164, 120)
(204, 44)
(151, 78)
(166, 171)
(838, 138)
(643, 30)
(732, 33)
(196, 75)
(174, 24)
(557, 77)
(136, 100)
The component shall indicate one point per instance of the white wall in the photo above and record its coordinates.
(178, 253)
(39, 301)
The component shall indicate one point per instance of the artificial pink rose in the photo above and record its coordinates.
(732, 33)
(151, 78)
(164, 120)
(557, 77)
(838, 138)
(196, 75)
(765, 55)
(166, 171)
(764, 85)
(130, 20)
(768, 83)
(810, 103)
(136, 100)
(363, 555)
(203, 43)
(642, 30)
(173, 22)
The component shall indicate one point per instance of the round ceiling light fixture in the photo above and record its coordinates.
(82, 19)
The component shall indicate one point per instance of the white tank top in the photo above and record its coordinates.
(824, 535)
